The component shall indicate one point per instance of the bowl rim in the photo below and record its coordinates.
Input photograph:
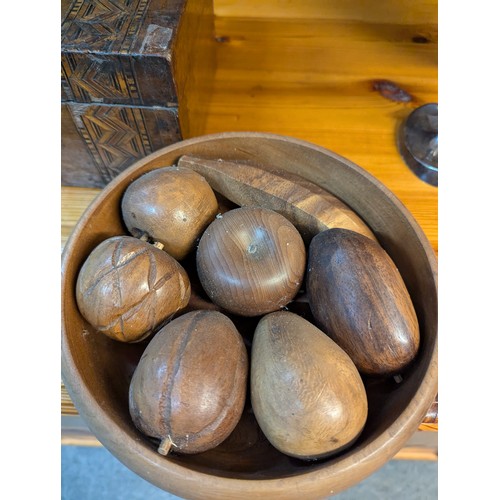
(182, 480)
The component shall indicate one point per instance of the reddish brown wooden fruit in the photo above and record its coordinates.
(127, 288)
(189, 387)
(171, 205)
(307, 395)
(251, 261)
(359, 298)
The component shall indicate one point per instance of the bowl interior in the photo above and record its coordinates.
(97, 370)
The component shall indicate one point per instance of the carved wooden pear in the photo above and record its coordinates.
(307, 395)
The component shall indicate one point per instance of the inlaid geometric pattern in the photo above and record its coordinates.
(90, 78)
(101, 77)
(102, 25)
(115, 136)
(96, 38)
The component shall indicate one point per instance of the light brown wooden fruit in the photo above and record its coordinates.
(127, 288)
(189, 387)
(358, 297)
(308, 207)
(251, 261)
(307, 395)
(171, 205)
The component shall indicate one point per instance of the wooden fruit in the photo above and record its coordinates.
(310, 208)
(127, 288)
(359, 298)
(307, 395)
(189, 387)
(98, 384)
(251, 261)
(170, 205)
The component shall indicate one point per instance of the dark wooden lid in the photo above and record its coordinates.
(118, 52)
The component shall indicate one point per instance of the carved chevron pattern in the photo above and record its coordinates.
(95, 34)
(102, 25)
(115, 136)
(91, 78)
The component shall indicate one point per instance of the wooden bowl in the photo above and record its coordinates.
(97, 370)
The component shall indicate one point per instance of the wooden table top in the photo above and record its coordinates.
(313, 71)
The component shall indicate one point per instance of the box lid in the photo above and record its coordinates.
(120, 51)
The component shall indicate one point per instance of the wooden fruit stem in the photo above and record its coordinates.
(157, 244)
(165, 446)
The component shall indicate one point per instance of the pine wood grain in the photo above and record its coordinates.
(67, 406)
(315, 79)
(389, 11)
(74, 201)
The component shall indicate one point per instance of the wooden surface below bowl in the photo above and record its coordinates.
(97, 370)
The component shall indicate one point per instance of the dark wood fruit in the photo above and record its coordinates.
(189, 387)
(171, 205)
(307, 395)
(127, 288)
(359, 298)
(251, 261)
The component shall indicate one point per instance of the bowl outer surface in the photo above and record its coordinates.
(392, 224)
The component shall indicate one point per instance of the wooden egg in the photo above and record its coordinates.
(171, 205)
(359, 298)
(189, 387)
(307, 395)
(127, 288)
(251, 261)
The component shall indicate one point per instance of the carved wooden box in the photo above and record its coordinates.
(125, 71)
